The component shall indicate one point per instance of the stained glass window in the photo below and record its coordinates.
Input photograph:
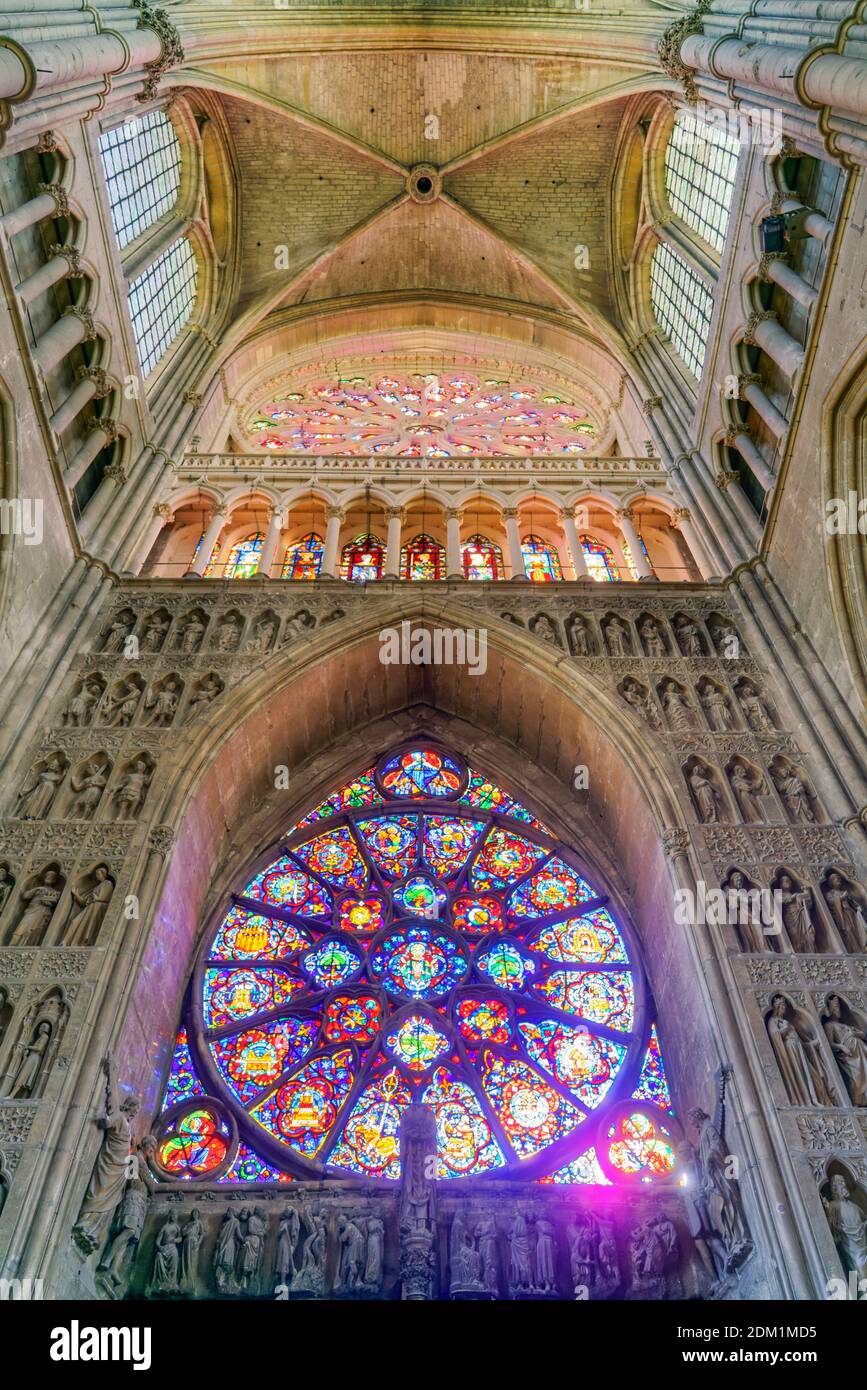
(363, 559)
(600, 560)
(701, 163)
(424, 415)
(141, 162)
(627, 555)
(303, 558)
(418, 949)
(422, 558)
(541, 561)
(242, 561)
(161, 301)
(682, 305)
(482, 559)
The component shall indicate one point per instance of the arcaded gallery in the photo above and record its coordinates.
(433, 563)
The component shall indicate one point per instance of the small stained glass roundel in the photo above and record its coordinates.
(419, 937)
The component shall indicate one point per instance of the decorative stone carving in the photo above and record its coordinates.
(261, 640)
(828, 1132)
(689, 637)
(119, 629)
(797, 797)
(167, 1257)
(678, 711)
(116, 1261)
(7, 883)
(162, 700)
(720, 1192)
(798, 1053)
(41, 787)
(171, 51)
(91, 897)
(80, 709)
(39, 901)
(465, 1260)
(226, 1252)
(351, 1257)
(228, 632)
(288, 1233)
(715, 704)
(131, 790)
(310, 1278)
(581, 639)
(708, 800)
(154, 630)
(486, 1236)
(40, 1034)
(105, 1189)
(374, 1262)
(847, 909)
(848, 1224)
(652, 637)
(848, 1040)
(251, 1249)
(639, 698)
(545, 1256)
(669, 46)
(675, 843)
(203, 694)
(121, 702)
(748, 784)
(190, 632)
(654, 1252)
(88, 783)
(417, 1221)
(796, 909)
(617, 637)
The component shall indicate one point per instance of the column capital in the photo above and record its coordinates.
(72, 256)
(162, 509)
(652, 403)
(106, 424)
(47, 143)
(193, 398)
(454, 514)
(171, 52)
(725, 477)
(733, 433)
(678, 516)
(59, 194)
(624, 514)
(510, 513)
(765, 262)
(752, 323)
(335, 514)
(668, 48)
(102, 384)
(86, 318)
(747, 379)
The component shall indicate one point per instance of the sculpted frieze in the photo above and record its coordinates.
(773, 845)
(828, 1132)
(727, 842)
(772, 972)
(16, 964)
(16, 1122)
(63, 964)
(825, 970)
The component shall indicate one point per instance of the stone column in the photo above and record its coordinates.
(513, 537)
(93, 384)
(742, 440)
(76, 326)
(102, 432)
(750, 389)
(774, 268)
(270, 543)
(762, 330)
(417, 1219)
(162, 516)
(728, 481)
(682, 522)
(209, 540)
(574, 547)
(454, 557)
(392, 544)
(64, 264)
(630, 536)
(330, 554)
(51, 201)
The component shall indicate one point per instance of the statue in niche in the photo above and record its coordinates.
(705, 1237)
(520, 1273)
(190, 634)
(226, 1252)
(706, 796)
(606, 1251)
(84, 925)
(154, 632)
(716, 707)
(374, 1257)
(299, 624)
(131, 791)
(617, 637)
(88, 785)
(464, 1259)
(795, 910)
(263, 635)
(642, 702)
(486, 1235)
(41, 901)
(799, 1058)
(755, 710)
(651, 636)
(120, 708)
(40, 788)
(678, 710)
(79, 711)
(40, 1034)
(207, 691)
(689, 637)
(107, 1181)
(748, 787)
(333, 617)
(725, 637)
(545, 629)
(229, 633)
(7, 883)
(848, 1226)
(581, 636)
(417, 1218)
(546, 1256)
(742, 906)
(655, 1253)
(311, 1273)
(288, 1232)
(847, 912)
(796, 795)
(162, 705)
(191, 1242)
(720, 1191)
(128, 1223)
(582, 1253)
(351, 1261)
(251, 1249)
(164, 1275)
(118, 632)
(849, 1045)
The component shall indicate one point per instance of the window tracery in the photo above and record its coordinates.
(303, 559)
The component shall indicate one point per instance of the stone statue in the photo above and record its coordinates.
(486, 1235)
(464, 1259)
(34, 1048)
(110, 1172)
(725, 637)
(755, 710)
(209, 689)
(84, 925)
(689, 637)
(7, 883)
(164, 1275)
(799, 1060)
(707, 797)
(228, 633)
(191, 633)
(716, 707)
(848, 1226)
(41, 902)
(546, 1256)
(118, 632)
(299, 624)
(79, 711)
(796, 796)
(520, 1273)
(795, 910)
(417, 1220)
(582, 1258)
(39, 790)
(720, 1191)
(639, 700)
(747, 788)
(678, 711)
(128, 1223)
(847, 912)
(351, 1262)
(545, 629)
(191, 1241)
(582, 642)
(609, 1270)
(655, 1252)
(374, 1260)
(226, 1252)
(119, 709)
(162, 705)
(263, 635)
(154, 632)
(743, 909)
(705, 1237)
(849, 1045)
(311, 1273)
(251, 1249)
(130, 792)
(654, 642)
(617, 637)
(288, 1232)
(88, 786)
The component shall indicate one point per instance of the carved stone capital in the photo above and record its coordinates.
(747, 379)
(675, 843)
(724, 478)
(764, 263)
(668, 48)
(47, 143)
(679, 515)
(102, 385)
(172, 50)
(72, 257)
(163, 510)
(86, 318)
(652, 403)
(107, 425)
(116, 472)
(752, 323)
(59, 194)
(161, 839)
(193, 398)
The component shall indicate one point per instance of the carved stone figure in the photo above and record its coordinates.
(191, 633)
(743, 909)
(41, 902)
(689, 637)
(582, 640)
(128, 1223)
(747, 788)
(641, 701)
(154, 632)
(84, 926)
(795, 910)
(39, 790)
(617, 637)
(209, 689)
(131, 791)
(720, 1191)
(374, 1259)
(88, 784)
(546, 1256)
(725, 637)
(755, 710)
(7, 883)
(299, 624)
(228, 633)
(118, 632)
(226, 1252)
(464, 1259)
(263, 635)
(417, 1220)
(651, 636)
(716, 707)
(849, 1045)
(162, 705)
(848, 1226)
(847, 912)
(288, 1232)
(486, 1235)
(606, 1250)
(796, 795)
(311, 1273)
(79, 711)
(166, 1266)
(191, 1242)
(705, 1237)
(251, 1249)
(105, 1189)
(350, 1270)
(706, 796)
(33, 1052)
(799, 1060)
(520, 1273)
(119, 708)
(678, 711)
(545, 629)
(582, 1257)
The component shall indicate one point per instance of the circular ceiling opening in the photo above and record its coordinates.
(423, 183)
